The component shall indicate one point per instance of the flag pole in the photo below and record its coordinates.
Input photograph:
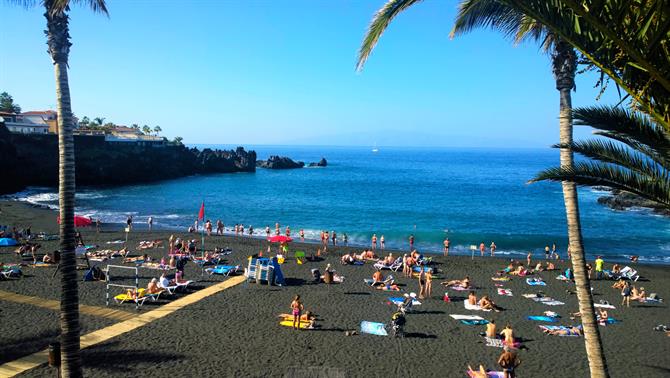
(203, 229)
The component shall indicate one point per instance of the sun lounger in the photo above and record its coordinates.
(604, 305)
(629, 273)
(183, 285)
(139, 299)
(170, 289)
(224, 270)
(397, 264)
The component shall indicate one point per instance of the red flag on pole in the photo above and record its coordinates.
(201, 214)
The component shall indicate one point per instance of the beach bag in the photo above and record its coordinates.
(654, 296)
(316, 274)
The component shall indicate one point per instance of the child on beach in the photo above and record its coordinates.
(296, 311)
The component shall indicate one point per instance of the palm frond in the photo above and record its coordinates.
(602, 174)
(624, 41)
(608, 152)
(379, 23)
(60, 6)
(630, 127)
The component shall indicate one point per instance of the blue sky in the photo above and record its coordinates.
(282, 72)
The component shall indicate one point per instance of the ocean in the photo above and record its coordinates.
(468, 195)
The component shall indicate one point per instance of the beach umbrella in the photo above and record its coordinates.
(79, 221)
(6, 242)
(280, 239)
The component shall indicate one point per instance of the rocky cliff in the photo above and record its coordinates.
(32, 160)
(279, 162)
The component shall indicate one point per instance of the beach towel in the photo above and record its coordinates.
(468, 306)
(399, 300)
(458, 288)
(506, 292)
(116, 242)
(466, 317)
(652, 300)
(426, 269)
(289, 323)
(608, 321)
(538, 318)
(500, 343)
(373, 328)
(555, 328)
(562, 277)
(604, 305)
(490, 374)
(535, 282)
(503, 279)
(553, 303)
(475, 322)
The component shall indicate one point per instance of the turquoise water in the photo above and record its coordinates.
(469, 195)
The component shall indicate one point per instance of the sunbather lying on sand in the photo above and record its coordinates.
(144, 244)
(619, 284)
(144, 257)
(348, 258)
(367, 255)
(152, 287)
(638, 295)
(389, 287)
(464, 283)
(570, 331)
(520, 271)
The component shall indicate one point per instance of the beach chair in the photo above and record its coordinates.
(139, 300)
(183, 285)
(170, 289)
(397, 264)
(224, 270)
(629, 273)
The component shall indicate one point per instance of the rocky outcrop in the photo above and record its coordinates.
(620, 200)
(279, 162)
(321, 163)
(102, 163)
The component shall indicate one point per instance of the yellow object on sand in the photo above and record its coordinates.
(289, 323)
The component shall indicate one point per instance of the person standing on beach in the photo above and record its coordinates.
(219, 227)
(528, 258)
(422, 282)
(346, 239)
(553, 251)
(546, 252)
(302, 235)
(599, 267)
(277, 229)
(171, 244)
(374, 242)
(288, 231)
(208, 227)
(296, 310)
(150, 222)
(493, 248)
(129, 222)
(382, 242)
(508, 361)
(97, 225)
(333, 237)
(446, 247)
(482, 248)
(411, 243)
(626, 293)
(267, 231)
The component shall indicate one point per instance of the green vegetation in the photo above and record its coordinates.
(7, 104)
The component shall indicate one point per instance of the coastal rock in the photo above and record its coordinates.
(620, 200)
(320, 163)
(279, 162)
(103, 163)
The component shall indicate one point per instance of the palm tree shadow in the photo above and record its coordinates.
(419, 335)
(13, 349)
(123, 361)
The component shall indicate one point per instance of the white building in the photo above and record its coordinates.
(25, 123)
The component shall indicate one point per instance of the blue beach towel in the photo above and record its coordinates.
(373, 328)
(535, 282)
(399, 300)
(475, 322)
(539, 318)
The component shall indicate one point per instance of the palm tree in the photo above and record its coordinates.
(146, 129)
(157, 130)
(58, 41)
(99, 120)
(491, 13)
(635, 159)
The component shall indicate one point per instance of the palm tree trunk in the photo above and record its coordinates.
(59, 47)
(565, 64)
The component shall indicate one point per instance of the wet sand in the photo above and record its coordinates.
(236, 332)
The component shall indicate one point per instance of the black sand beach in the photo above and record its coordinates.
(236, 332)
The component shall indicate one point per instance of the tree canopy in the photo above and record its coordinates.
(7, 104)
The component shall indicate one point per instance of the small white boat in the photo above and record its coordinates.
(375, 149)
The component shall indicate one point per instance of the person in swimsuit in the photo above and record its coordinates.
(546, 252)
(302, 235)
(446, 247)
(296, 311)
(428, 290)
(508, 334)
(382, 242)
(374, 241)
(422, 283)
(493, 248)
(472, 298)
(491, 329)
(411, 242)
(508, 362)
(482, 248)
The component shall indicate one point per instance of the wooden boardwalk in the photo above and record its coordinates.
(34, 360)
